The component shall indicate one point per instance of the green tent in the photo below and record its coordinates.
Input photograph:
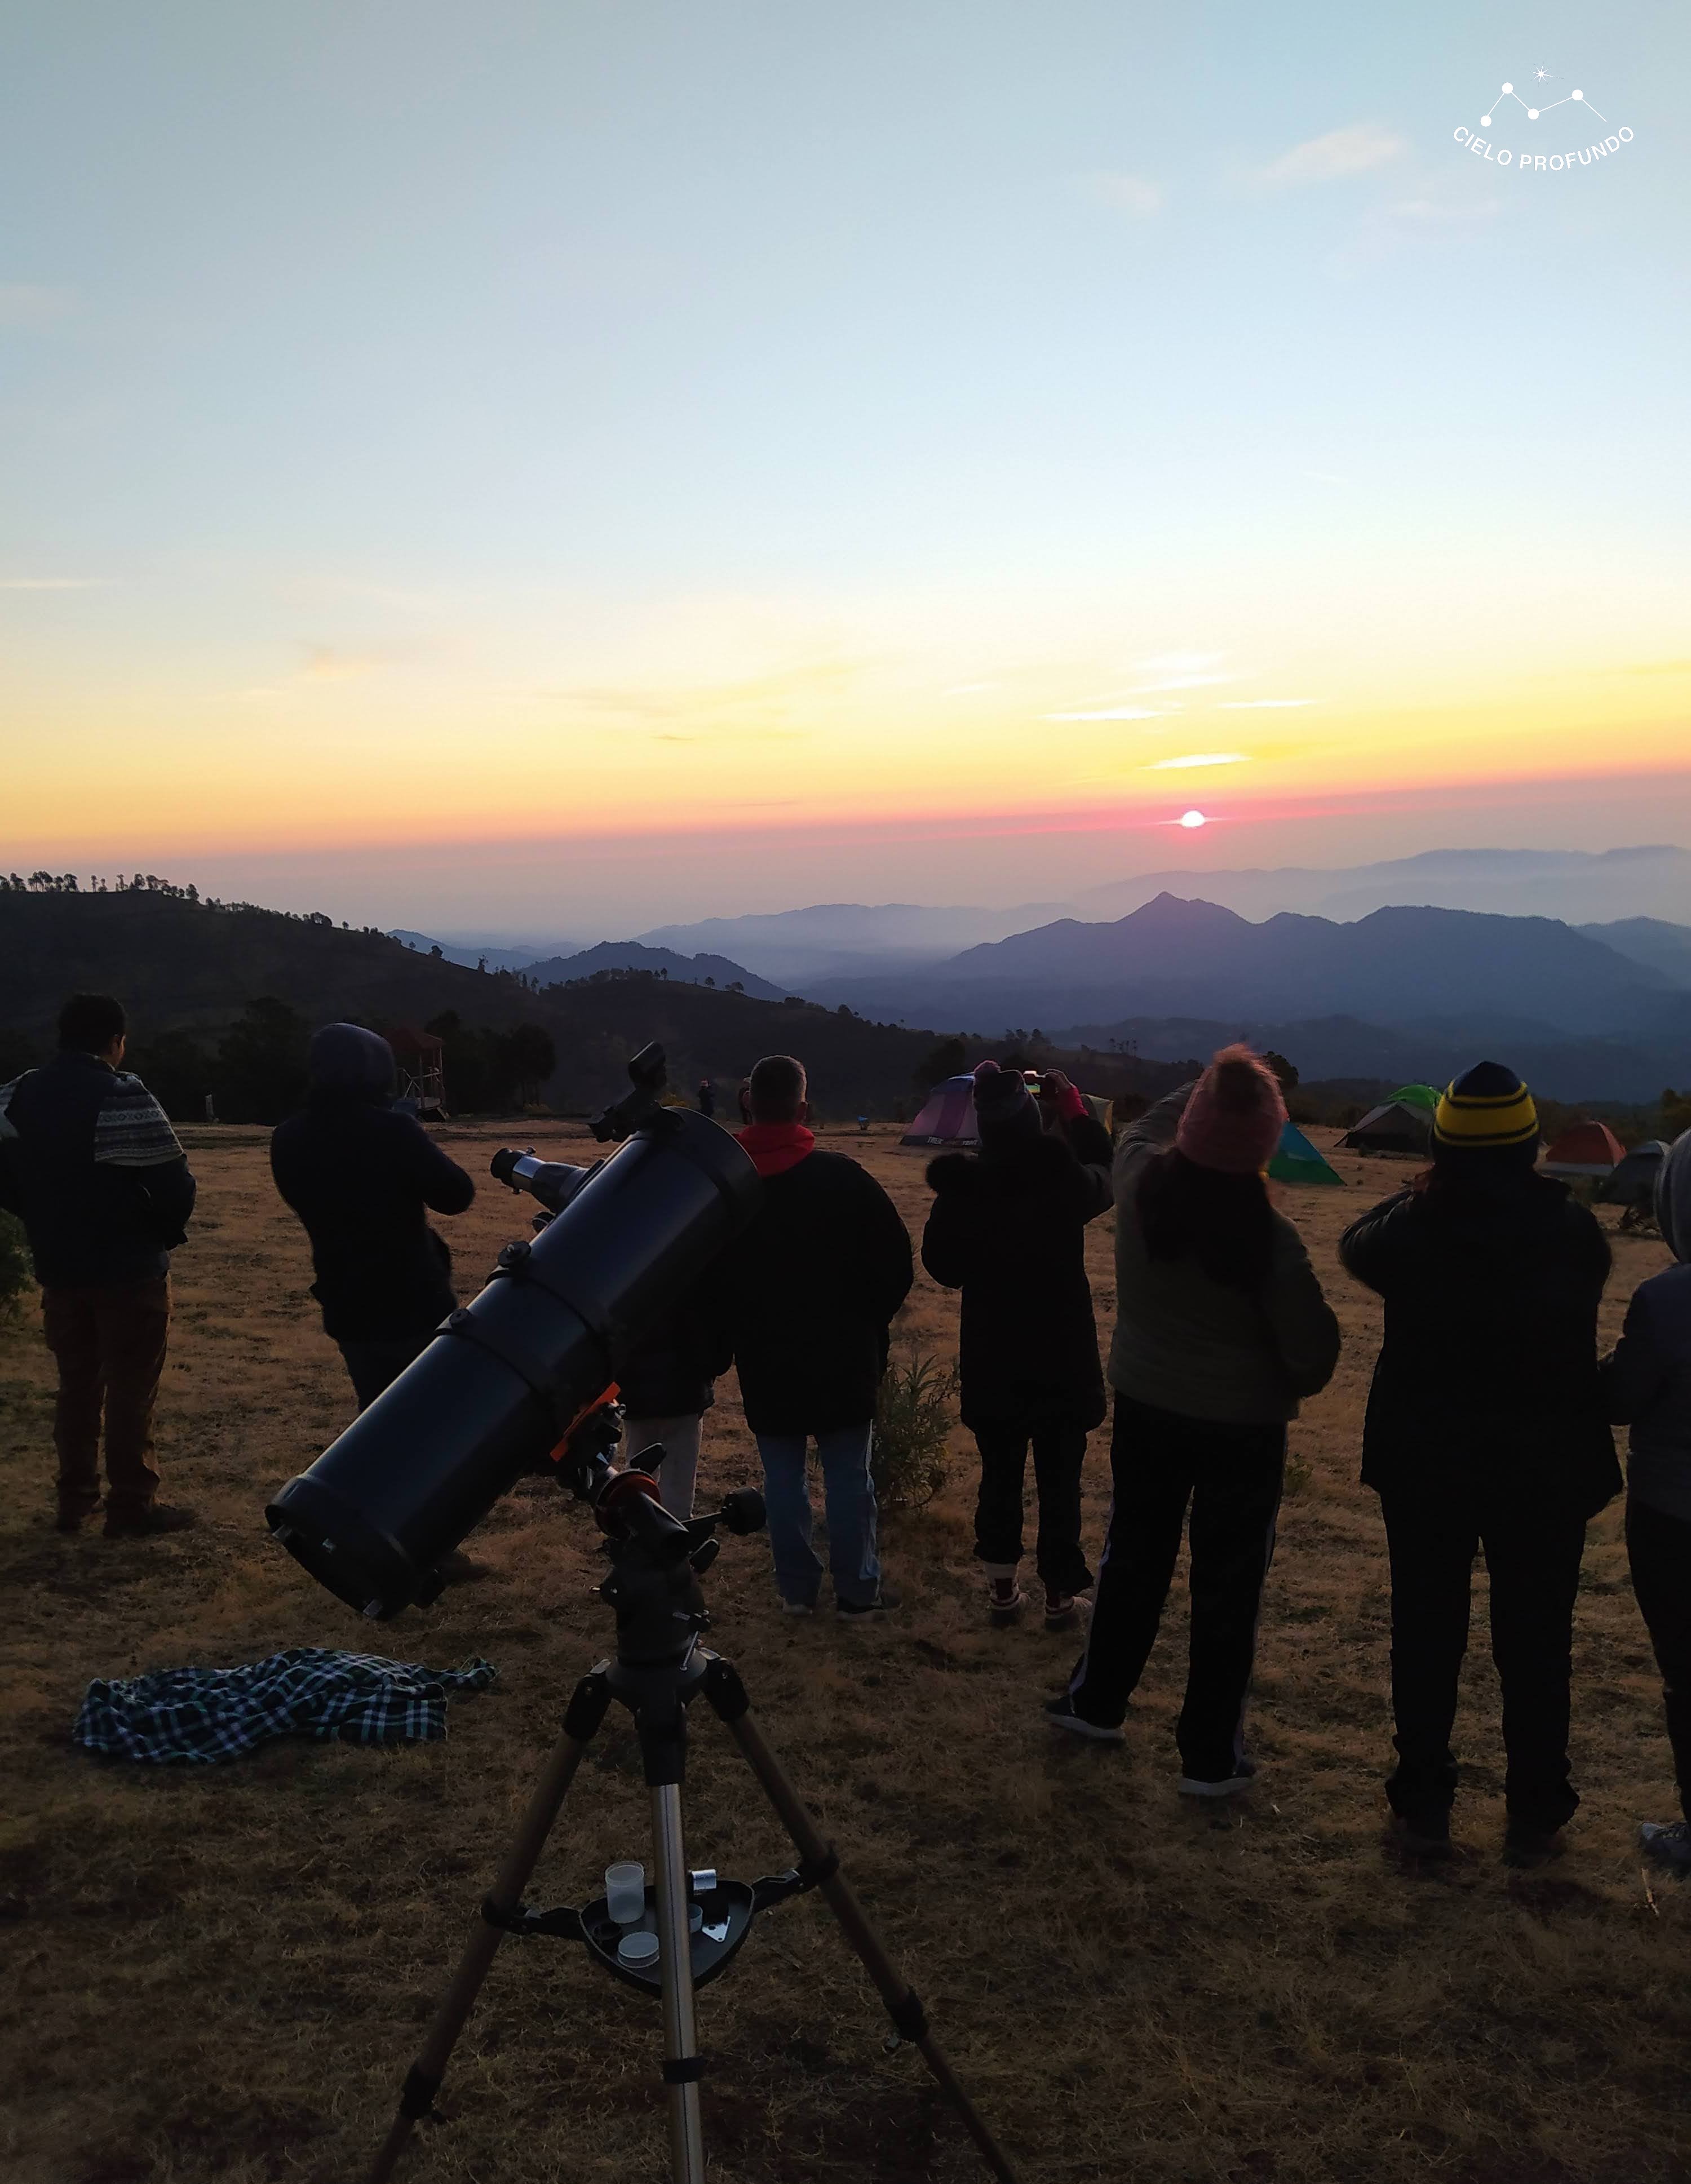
(1297, 1160)
(1417, 1095)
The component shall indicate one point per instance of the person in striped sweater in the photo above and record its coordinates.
(90, 1163)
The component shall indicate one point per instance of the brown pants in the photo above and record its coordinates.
(110, 1345)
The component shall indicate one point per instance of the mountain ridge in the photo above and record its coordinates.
(1180, 957)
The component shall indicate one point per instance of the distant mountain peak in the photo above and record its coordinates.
(1180, 912)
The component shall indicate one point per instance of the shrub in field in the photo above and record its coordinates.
(16, 1279)
(912, 1422)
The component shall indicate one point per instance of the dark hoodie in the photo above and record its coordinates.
(1488, 1380)
(1007, 1227)
(361, 1178)
(1648, 1376)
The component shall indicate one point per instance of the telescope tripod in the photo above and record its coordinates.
(657, 1698)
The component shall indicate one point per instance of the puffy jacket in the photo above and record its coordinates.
(1201, 1348)
(1487, 1377)
(91, 1165)
(809, 1291)
(1648, 1377)
(1008, 1228)
(362, 1177)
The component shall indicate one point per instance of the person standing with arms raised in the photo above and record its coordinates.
(1487, 1431)
(1221, 1329)
(809, 1291)
(91, 1165)
(1008, 1228)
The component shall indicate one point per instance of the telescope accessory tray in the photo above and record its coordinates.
(728, 1910)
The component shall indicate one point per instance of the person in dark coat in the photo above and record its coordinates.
(666, 1382)
(1648, 1379)
(1221, 1330)
(1008, 1227)
(809, 1289)
(1487, 1431)
(91, 1166)
(363, 1179)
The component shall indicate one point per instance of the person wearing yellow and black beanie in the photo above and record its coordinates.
(1487, 1429)
(1489, 1111)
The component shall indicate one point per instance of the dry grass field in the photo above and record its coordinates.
(223, 1973)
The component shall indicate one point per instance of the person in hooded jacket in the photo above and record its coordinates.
(1487, 1431)
(1221, 1329)
(1007, 1227)
(363, 1178)
(1648, 1379)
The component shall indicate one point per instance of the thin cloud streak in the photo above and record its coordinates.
(1129, 193)
(53, 584)
(1112, 713)
(1353, 150)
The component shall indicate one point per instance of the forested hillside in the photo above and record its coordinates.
(222, 1000)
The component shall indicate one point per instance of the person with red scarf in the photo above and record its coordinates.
(809, 1292)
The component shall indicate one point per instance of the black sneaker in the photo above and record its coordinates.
(1667, 1846)
(867, 1610)
(1060, 1714)
(147, 1523)
(1424, 1834)
(1525, 1845)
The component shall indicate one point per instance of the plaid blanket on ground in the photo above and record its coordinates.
(206, 1714)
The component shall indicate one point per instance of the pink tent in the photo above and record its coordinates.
(947, 1118)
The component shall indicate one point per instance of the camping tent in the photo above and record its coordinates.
(1417, 1095)
(1394, 1127)
(947, 1117)
(1588, 1149)
(1632, 1182)
(1297, 1160)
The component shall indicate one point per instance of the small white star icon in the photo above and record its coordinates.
(1542, 75)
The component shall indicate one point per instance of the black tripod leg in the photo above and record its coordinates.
(581, 1717)
(728, 1698)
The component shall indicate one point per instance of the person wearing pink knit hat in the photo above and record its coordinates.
(1233, 1120)
(1221, 1329)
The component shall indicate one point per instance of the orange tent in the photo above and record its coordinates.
(1588, 1149)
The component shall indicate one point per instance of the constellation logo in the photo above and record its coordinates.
(1543, 163)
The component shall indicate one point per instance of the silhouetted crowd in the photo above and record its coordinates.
(1489, 1429)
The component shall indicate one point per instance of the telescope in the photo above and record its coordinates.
(506, 1379)
(523, 1380)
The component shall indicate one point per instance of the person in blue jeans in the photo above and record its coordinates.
(809, 1292)
(1647, 1383)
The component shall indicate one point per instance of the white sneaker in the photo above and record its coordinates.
(798, 1608)
(1060, 1714)
(1230, 1785)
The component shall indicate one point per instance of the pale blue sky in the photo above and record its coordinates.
(483, 349)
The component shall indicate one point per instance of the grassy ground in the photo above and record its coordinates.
(222, 1973)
